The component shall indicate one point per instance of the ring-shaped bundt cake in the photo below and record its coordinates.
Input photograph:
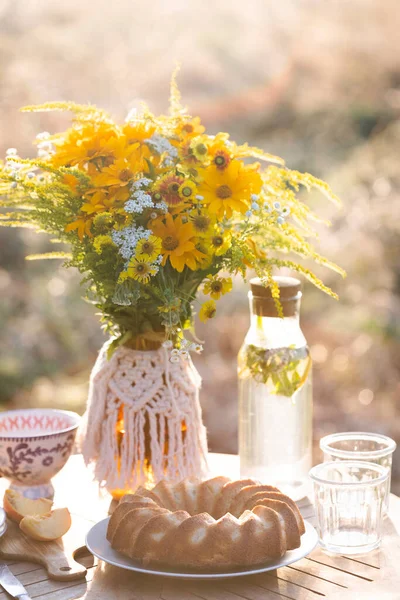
(211, 524)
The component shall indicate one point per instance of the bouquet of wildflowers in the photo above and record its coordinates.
(154, 209)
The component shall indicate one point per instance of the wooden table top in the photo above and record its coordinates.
(374, 576)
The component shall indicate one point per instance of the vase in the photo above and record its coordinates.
(143, 420)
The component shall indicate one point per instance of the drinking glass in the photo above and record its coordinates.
(349, 498)
(361, 446)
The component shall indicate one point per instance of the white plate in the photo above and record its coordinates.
(98, 545)
(3, 522)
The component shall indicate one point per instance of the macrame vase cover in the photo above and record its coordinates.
(149, 388)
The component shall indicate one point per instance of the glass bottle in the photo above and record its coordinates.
(275, 391)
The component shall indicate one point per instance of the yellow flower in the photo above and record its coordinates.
(178, 243)
(219, 152)
(186, 154)
(139, 269)
(217, 286)
(219, 243)
(203, 223)
(119, 194)
(82, 225)
(138, 131)
(120, 173)
(187, 190)
(149, 248)
(169, 187)
(207, 311)
(199, 148)
(102, 241)
(87, 143)
(207, 259)
(98, 202)
(189, 128)
(121, 219)
(228, 190)
(70, 180)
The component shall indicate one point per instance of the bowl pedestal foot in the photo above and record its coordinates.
(43, 490)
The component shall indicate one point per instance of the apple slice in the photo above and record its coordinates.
(17, 506)
(46, 528)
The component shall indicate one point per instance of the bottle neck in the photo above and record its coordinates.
(276, 332)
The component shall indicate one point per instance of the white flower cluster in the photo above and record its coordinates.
(182, 352)
(13, 166)
(281, 213)
(254, 205)
(126, 239)
(140, 199)
(45, 147)
(160, 145)
(163, 206)
(138, 202)
(139, 183)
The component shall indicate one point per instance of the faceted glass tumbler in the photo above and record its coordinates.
(349, 498)
(361, 446)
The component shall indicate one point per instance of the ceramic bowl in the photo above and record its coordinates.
(35, 443)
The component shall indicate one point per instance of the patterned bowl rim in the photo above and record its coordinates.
(22, 436)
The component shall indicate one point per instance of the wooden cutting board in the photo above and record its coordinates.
(56, 557)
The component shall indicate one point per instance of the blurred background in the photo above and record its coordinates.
(315, 82)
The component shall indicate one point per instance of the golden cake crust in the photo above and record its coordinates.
(214, 524)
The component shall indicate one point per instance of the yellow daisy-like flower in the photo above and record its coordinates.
(119, 194)
(228, 190)
(217, 286)
(121, 219)
(138, 131)
(203, 223)
(120, 173)
(178, 243)
(187, 190)
(87, 143)
(220, 153)
(98, 202)
(207, 257)
(189, 128)
(208, 310)
(149, 248)
(199, 148)
(169, 187)
(139, 269)
(219, 243)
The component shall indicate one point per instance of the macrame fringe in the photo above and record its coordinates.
(150, 389)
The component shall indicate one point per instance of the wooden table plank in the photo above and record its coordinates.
(211, 591)
(310, 583)
(325, 572)
(73, 592)
(356, 569)
(276, 588)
